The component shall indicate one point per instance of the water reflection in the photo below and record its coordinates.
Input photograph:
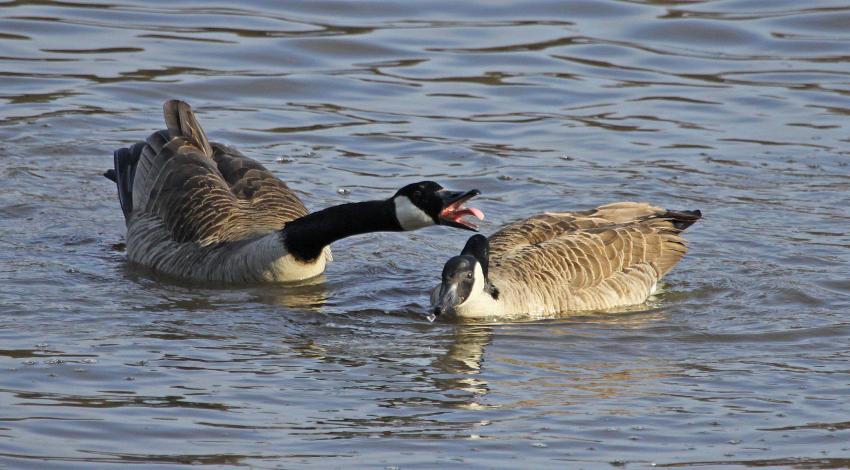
(738, 108)
(180, 295)
(466, 349)
(108, 399)
(459, 369)
(309, 295)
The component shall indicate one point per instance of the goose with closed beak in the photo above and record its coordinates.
(202, 211)
(554, 263)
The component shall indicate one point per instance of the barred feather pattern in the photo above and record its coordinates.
(609, 257)
(204, 211)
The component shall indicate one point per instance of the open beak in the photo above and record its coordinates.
(453, 210)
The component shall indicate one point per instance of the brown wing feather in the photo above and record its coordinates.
(271, 200)
(606, 257)
(207, 193)
(543, 227)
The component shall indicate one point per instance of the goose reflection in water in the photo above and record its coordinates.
(447, 365)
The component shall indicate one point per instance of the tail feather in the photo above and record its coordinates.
(181, 122)
(126, 160)
(683, 219)
(147, 158)
(156, 142)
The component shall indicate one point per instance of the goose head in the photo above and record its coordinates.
(427, 203)
(464, 278)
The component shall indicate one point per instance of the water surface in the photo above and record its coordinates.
(738, 108)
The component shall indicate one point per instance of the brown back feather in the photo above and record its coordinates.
(207, 193)
(588, 259)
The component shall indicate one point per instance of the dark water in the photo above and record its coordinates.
(739, 108)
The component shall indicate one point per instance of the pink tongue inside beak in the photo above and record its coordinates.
(473, 211)
(457, 213)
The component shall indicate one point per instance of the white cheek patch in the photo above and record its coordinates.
(477, 285)
(409, 216)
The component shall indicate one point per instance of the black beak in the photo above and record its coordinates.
(445, 301)
(453, 210)
(456, 197)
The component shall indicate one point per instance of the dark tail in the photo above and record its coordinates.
(181, 123)
(683, 219)
(126, 160)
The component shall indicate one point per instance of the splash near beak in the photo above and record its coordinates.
(453, 210)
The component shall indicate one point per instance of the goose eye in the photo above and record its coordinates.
(417, 194)
(469, 275)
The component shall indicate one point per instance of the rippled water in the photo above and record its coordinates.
(738, 108)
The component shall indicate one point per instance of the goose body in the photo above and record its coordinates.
(202, 211)
(553, 263)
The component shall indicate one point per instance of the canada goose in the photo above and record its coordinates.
(608, 257)
(203, 211)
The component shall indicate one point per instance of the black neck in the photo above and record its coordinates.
(307, 236)
(492, 290)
